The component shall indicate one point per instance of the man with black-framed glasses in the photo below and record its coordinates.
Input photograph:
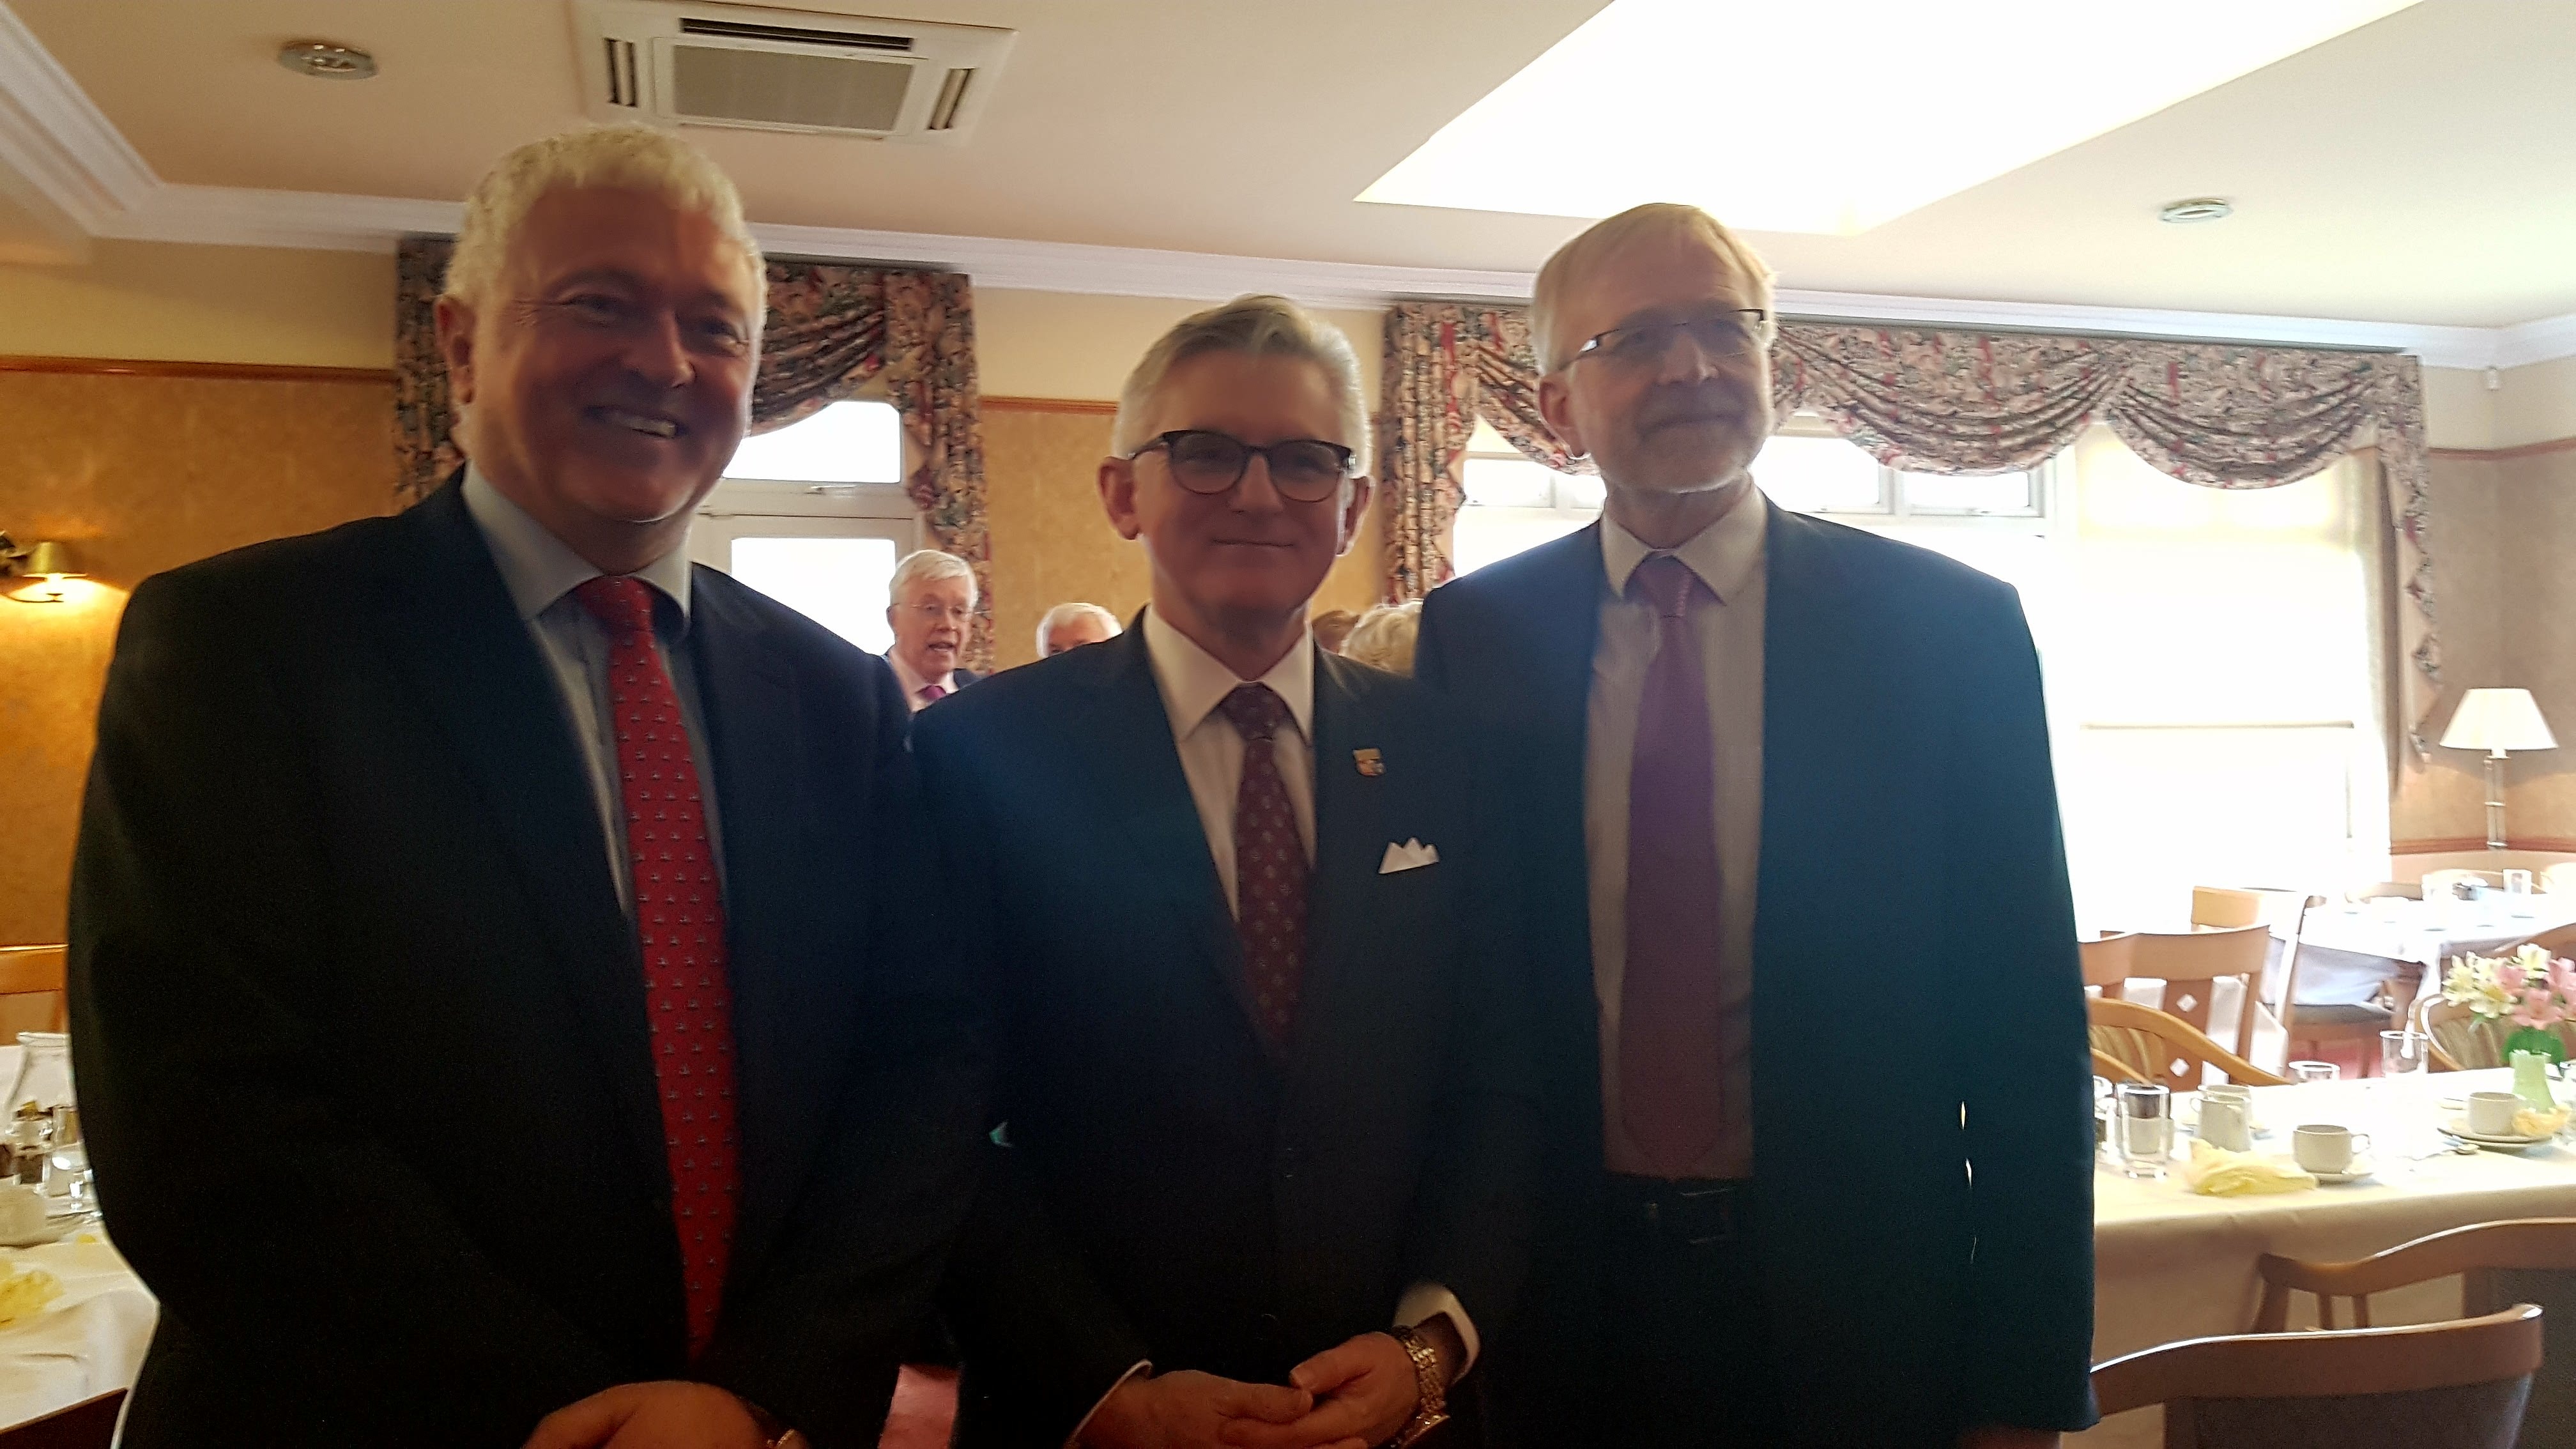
(1784, 800)
(1270, 1139)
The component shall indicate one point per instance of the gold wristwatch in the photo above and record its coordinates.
(1433, 1409)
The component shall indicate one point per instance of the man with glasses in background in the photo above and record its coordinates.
(1270, 1146)
(1820, 1169)
(932, 608)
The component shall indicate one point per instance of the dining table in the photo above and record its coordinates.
(2171, 1264)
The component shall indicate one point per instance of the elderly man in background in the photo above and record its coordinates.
(931, 608)
(1270, 1138)
(1384, 637)
(1333, 626)
(1719, 716)
(1070, 626)
(522, 899)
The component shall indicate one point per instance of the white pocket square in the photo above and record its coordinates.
(1411, 855)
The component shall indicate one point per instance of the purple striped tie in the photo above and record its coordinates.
(1668, 1009)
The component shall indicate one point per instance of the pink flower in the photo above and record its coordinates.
(2562, 979)
(2510, 975)
(2538, 1008)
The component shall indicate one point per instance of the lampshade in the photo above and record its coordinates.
(2498, 720)
(49, 558)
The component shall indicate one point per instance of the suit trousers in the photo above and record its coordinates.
(1685, 1359)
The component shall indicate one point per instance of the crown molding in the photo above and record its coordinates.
(62, 148)
(70, 167)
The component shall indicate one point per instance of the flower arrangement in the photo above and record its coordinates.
(2529, 988)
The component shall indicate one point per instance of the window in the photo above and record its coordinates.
(815, 516)
(2204, 651)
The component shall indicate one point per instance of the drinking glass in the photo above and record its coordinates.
(44, 1119)
(2305, 1072)
(2517, 891)
(2143, 1128)
(2101, 1112)
(2401, 1052)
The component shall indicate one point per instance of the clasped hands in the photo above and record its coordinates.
(1354, 1396)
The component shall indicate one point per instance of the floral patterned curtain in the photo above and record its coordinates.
(831, 331)
(1933, 401)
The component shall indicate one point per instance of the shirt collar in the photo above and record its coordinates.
(1194, 682)
(1726, 555)
(540, 568)
(913, 683)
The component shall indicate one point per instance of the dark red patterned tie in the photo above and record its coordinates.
(1668, 1003)
(1269, 866)
(680, 923)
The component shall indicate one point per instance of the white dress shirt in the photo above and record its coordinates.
(1727, 557)
(541, 571)
(913, 683)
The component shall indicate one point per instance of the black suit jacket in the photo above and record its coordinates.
(1174, 1190)
(359, 1021)
(1914, 954)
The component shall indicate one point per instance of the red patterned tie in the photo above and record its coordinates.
(680, 923)
(1668, 1001)
(1270, 867)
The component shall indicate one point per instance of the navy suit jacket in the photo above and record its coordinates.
(1917, 1004)
(360, 1024)
(1175, 1189)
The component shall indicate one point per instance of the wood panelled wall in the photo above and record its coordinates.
(143, 468)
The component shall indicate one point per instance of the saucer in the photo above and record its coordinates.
(55, 1230)
(2512, 1142)
(2361, 1168)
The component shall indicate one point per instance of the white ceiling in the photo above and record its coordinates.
(2418, 170)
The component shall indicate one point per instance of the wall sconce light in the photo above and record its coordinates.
(45, 560)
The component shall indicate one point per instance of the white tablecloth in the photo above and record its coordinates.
(2170, 1265)
(86, 1342)
(2427, 932)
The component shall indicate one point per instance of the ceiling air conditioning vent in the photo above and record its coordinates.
(701, 64)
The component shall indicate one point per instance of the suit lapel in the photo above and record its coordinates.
(1139, 787)
(757, 749)
(480, 676)
(1350, 841)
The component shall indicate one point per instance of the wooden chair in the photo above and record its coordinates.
(35, 971)
(2558, 942)
(2558, 878)
(2107, 961)
(2461, 1385)
(2105, 1065)
(2530, 1260)
(2192, 964)
(2164, 1048)
(2225, 906)
(89, 1424)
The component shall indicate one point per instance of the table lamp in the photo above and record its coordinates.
(2496, 721)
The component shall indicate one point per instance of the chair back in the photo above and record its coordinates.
(89, 1424)
(2402, 890)
(2464, 1041)
(2113, 1069)
(2225, 906)
(2459, 1385)
(2107, 961)
(2191, 964)
(35, 971)
(2528, 1260)
(2559, 877)
(2162, 1048)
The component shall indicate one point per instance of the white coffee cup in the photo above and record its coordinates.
(2491, 1113)
(2323, 1147)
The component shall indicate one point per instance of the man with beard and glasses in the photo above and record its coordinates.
(1784, 798)
(490, 981)
(1270, 1138)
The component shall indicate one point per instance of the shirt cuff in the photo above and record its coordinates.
(1427, 1300)
(1141, 1366)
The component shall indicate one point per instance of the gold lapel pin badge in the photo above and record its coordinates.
(1370, 763)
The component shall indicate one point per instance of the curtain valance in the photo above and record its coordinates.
(1929, 400)
(832, 330)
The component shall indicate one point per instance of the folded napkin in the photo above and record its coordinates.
(2216, 1172)
(2531, 1123)
(73, 1351)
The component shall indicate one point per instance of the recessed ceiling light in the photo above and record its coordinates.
(329, 62)
(2199, 208)
(1834, 115)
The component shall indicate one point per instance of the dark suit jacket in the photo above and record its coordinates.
(1914, 952)
(360, 1030)
(1174, 1191)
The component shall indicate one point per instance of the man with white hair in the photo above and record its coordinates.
(931, 608)
(527, 905)
(1269, 1139)
(1782, 790)
(1070, 626)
